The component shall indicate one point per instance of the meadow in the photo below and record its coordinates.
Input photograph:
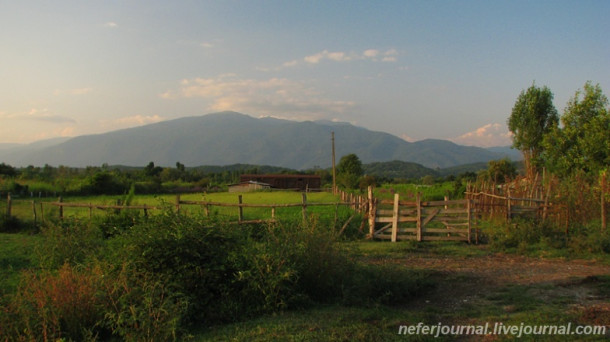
(186, 276)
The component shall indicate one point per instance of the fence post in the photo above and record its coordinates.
(61, 208)
(395, 213)
(177, 203)
(304, 195)
(372, 212)
(419, 225)
(468, 207)
(508, 205)
(8, 205)
(240, 209)
(34, 212)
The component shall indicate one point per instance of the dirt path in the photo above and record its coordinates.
(463, 281)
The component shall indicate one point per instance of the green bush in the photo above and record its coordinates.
(69, 241)
(186, 255)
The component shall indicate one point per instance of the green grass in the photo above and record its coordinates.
(16, 254)
(435, 192)
(22, 207)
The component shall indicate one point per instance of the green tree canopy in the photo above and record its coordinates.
(349, 171)
(583, 143)
(532, 117)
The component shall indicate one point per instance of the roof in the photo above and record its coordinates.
(280, 175)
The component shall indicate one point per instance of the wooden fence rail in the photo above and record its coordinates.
(358, 205)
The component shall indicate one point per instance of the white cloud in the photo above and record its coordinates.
(489, 135)
(130, 121)
(407, 138)
(371, 53)
(111, 24)
(274, 96)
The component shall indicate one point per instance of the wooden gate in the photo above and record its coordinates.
(424, 221)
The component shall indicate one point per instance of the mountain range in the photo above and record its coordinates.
(229, 138)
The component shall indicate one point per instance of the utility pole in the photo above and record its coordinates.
(334, 170)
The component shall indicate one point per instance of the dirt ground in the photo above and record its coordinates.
(471, 280)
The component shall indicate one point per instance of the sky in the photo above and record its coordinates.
(415, 69)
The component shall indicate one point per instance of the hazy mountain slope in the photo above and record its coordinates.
(231, 138)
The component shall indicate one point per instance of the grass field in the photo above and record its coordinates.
(23, 208)
(463, 291)
(466, 284)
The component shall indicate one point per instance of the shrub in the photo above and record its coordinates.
(186, 255)
(54, 305)
(69, 241)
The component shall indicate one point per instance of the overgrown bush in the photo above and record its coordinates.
(152, 281)
(523, 236)
(50, 306)
(70, 241)
(182, 252)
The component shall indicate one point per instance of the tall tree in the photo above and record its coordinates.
(349, 171)
(583, 143)
(532, 117)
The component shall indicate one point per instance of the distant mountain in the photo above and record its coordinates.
(232, 138)
(507, 151)
(398, 169)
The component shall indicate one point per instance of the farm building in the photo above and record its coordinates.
(248, 186)
(285, 181)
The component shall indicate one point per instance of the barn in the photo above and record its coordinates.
(285, 181)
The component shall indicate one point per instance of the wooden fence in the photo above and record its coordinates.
(423, 220)
(356, 203)
(358, 206)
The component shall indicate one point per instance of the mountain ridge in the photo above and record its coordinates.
(229, 137)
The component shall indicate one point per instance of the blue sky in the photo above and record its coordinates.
(416, 69)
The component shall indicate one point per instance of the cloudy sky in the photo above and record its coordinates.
(416, 69)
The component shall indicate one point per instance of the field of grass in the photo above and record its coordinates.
(22, 208)
(463, 284)
(458, 296)
(455, 296)
(434, 192)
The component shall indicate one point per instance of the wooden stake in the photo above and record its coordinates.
(240, 209)
(419, 223)
(395, 213)
(8, 205)
(372, 212)
(304, 207)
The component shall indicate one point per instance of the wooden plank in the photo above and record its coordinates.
(430, 217)
(454, 211)
(465, 224)
(446, 230)
(419, 223)
(442, 203)
(445, 238)
(395, 217)
(383, 229)
(400, 219)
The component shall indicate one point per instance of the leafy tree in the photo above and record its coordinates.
(499, 171)
(532, 117)
(7, 170)
(349, 171)
(583, 143)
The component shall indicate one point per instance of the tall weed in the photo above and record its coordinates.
(69, 241)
